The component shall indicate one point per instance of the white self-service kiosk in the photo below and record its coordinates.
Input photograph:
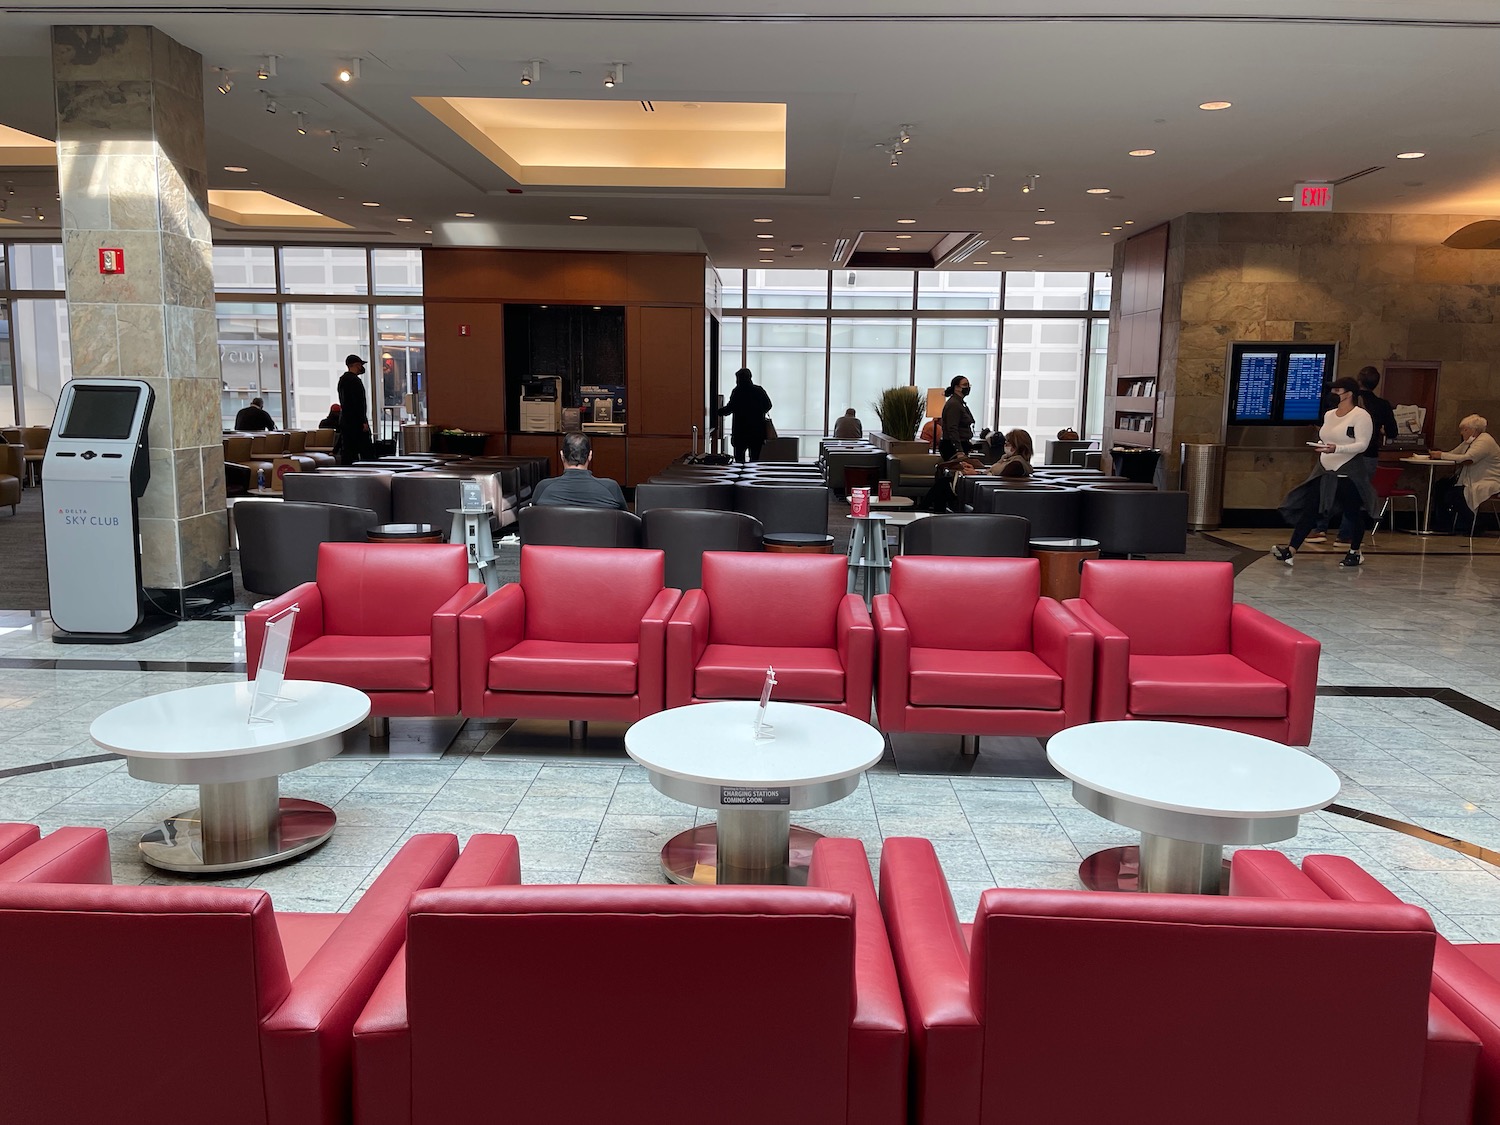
(95, 469)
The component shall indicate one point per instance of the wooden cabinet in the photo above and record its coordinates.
(1130, 402)
(1415, 383)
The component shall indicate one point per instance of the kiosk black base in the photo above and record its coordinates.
(152, 624)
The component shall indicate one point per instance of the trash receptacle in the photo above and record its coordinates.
(1136, 465)
(1203, 481)
(416, 439)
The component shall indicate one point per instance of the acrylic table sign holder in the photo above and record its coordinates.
(271, 671)
(764, 731)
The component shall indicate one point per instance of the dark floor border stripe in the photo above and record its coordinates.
(1450, 698)
(101, 664)
(1474, 851)
(61, 764)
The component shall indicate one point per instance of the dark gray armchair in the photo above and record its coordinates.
(1053, 512)
(782, 508)
(1129, 520)
(715, 497)
(557, 525)
(972, 534)
(350, 490)
(279, 542)
(685, 533)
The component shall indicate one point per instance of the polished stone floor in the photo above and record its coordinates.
(1404, 622)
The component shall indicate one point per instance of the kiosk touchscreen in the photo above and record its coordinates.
(95, 468)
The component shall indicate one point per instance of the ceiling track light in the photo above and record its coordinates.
(225, 83)
(349, 70)
(364, 157)
(301, 123)
(270, 102)
(531, 73)
(334, 134)
(983, 183)
(267, 68)
(1028, 185)
(905, 135)
(614, 76)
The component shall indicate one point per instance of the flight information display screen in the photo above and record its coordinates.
(103, 413)
(1306, 374)
(1256, 387)
(1278, 384)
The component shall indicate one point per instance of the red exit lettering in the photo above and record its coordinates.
(1314, 196)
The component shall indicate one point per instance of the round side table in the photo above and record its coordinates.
(404, 533)
(797, 543)
(1062, 564)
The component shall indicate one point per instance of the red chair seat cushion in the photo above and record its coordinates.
(945, 677)
(1213, 684)
(367, 663)
(806, 675)
(572, 667)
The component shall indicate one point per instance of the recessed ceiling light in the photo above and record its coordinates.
(1098, 191)
(765, 236)
(903, 236)
(1130, 222)
(1214, 105)
(426, 232)
(1143, 152)
(463, 214)
(760, 220)
(578, 218)
(906, 220)
(1105, 233)
(893, 248)
(1116, 228)
(1283, 199)
(964, 188)
(1020, 238)
(235, 168)
(369, 205)
(403, 220)
(1410, 155)
(1045, 222)
(767, 261)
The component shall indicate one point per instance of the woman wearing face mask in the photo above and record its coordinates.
(958, 423)
(1016, 461)
(1341, 475)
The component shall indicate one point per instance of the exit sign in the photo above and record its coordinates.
(1312, 197)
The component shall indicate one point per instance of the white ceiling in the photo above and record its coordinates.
(1321, 89)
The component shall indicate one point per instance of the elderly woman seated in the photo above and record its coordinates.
(1016, 459)
(1477, 479)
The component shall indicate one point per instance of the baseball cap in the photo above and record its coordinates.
(348, 359)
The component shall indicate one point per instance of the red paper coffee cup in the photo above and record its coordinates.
(884, 489)
(859, 502)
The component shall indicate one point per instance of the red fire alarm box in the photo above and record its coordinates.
(111, 261)
(463, 329)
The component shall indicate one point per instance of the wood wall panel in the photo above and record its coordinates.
(465, 374)
(648, 456)
(537, 445)
(665, 278)
(665, 370)
(609, 456)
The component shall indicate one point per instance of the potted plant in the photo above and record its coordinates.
(900, 412)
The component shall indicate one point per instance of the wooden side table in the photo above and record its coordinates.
(797, 543)
(404, 533)
(1062, 564)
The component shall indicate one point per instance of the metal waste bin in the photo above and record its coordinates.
(1203, 481)
(416, 439)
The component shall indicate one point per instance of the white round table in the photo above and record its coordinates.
(1431, 466)
(706, 755)
(202, 736)
(1189, 790)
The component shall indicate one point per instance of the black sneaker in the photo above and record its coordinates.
(1282, 555)
(1352, 558)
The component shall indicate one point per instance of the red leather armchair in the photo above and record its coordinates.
(519, 1033)
(787, 611)
(1172, 644)
(383, 618)
(66, 855)
(118, 1001)
(581, 636)
(1197, 1008)
(969, 646)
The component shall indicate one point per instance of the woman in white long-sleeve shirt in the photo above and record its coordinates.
(1341, 475)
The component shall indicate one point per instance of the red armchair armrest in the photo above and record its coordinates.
(651, 667)
(1284, 654)
(309, 602)
(307, 1042)
(893, 669)
(687, 637)
(68, 855)
(445, 687)
(1111, 661)
(15, 838)
(382, 1035)
(856, 641)
(493, 625)
(932, 962)
(877, 1045)
(1065, 645)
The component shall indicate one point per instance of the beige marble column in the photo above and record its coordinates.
(133, 175)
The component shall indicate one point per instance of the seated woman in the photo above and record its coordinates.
(941, 497)
(1016, 461)
(1477, 479)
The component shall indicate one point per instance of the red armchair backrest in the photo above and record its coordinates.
(1165, 608)
(387, 589)
(118, 1001)
(774, 601)
(583, 594)
(1232, 991)
(967, 603)
(636, 1042)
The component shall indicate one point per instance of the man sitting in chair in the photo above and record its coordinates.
(577, 487)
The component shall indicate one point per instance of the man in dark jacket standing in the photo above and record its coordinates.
(354, 413)
(749, 404)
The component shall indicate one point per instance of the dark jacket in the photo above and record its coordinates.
(579, 488)
(749, 404)
(1383, 416)
(354, 410)
(254, 418)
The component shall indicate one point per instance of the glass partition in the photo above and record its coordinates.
(249, 359)
(318, 337)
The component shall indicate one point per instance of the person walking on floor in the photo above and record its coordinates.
(958, 423)
(354, 413)
(749, 404)
(1383, 416)
(1341, 476)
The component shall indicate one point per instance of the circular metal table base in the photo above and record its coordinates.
(692, 857)
(1119, 869)
(177, 844)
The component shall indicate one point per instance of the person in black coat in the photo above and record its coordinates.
(254, 417)
(749, 404)
(354, 413)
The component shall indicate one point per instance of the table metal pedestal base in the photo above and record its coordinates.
(1183, 867)
(238, 826)
(704, 855)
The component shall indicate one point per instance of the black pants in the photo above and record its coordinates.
(353, 446)
(940, 497)
(751, 447)
(1453, 512)
(1346, 497)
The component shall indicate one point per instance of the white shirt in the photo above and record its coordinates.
(1349, 436)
